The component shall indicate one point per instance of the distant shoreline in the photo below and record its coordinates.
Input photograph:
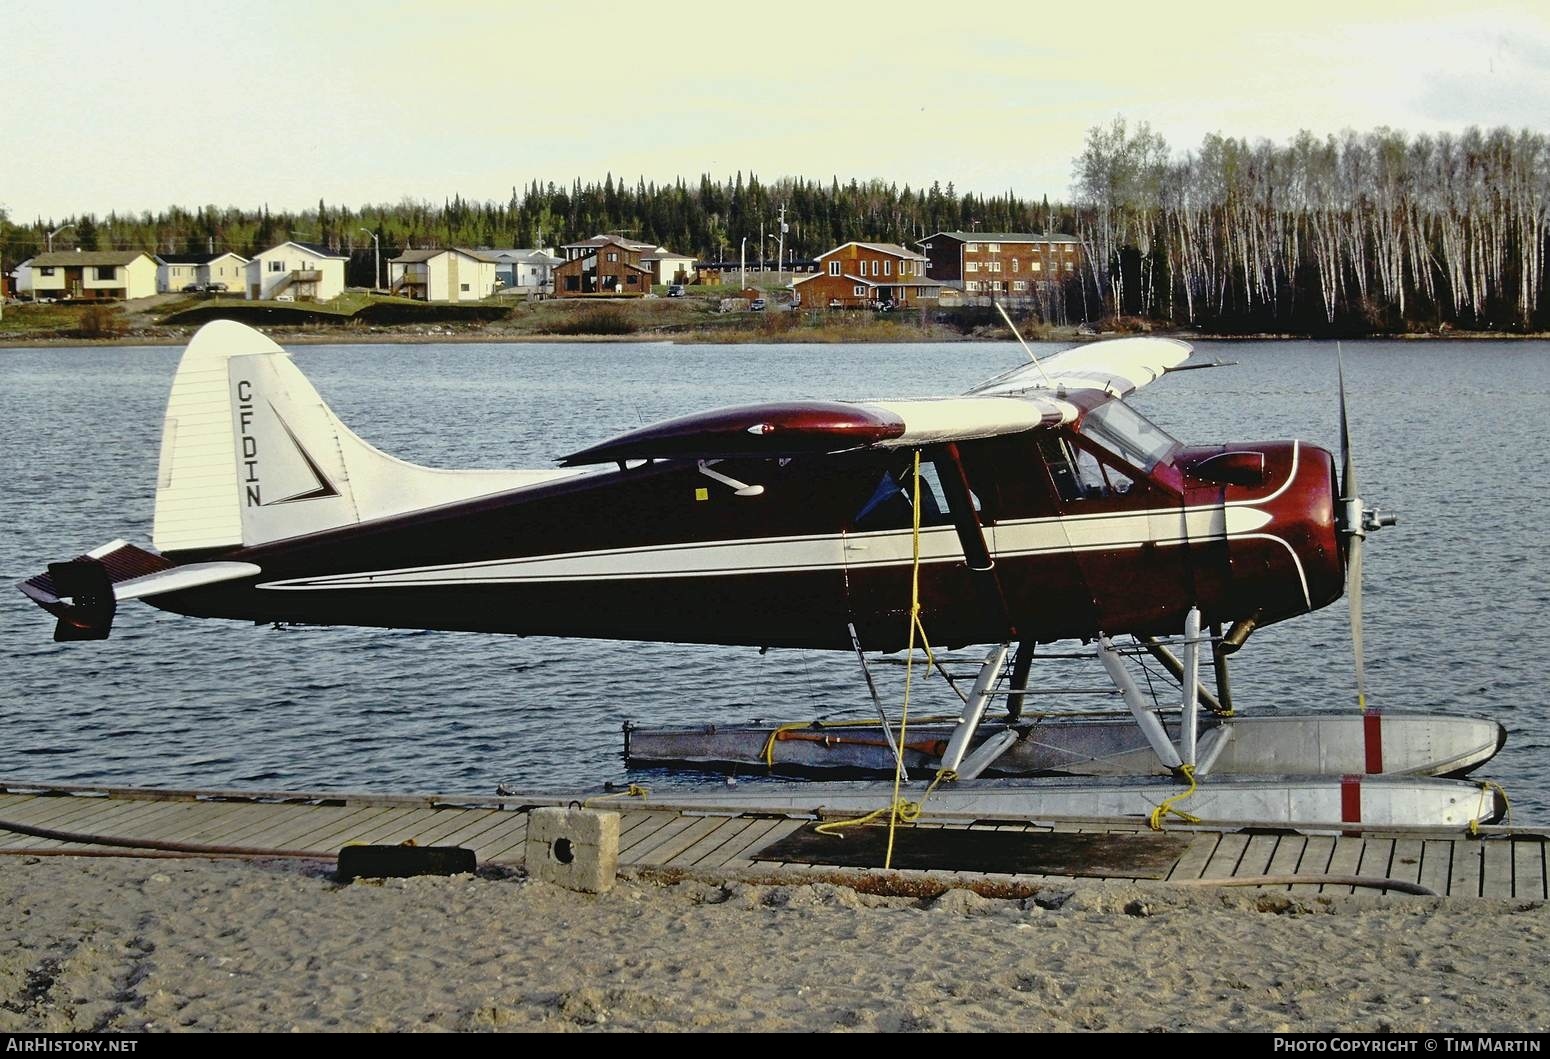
(905, 335)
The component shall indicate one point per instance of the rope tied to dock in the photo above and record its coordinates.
(1167, 806)
(1486, 787)
(634, 790)
(903, 809)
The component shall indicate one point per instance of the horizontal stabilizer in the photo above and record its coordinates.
(84, 592)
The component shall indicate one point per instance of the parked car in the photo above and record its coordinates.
(676, 290)
(192, 288)
(216, 288)
(285, 297)
(757, 305)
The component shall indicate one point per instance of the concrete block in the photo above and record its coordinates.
(574, 848)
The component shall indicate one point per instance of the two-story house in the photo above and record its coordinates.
(92, 274)
(1004, 265)
(443, 275)
(603, 266)
(299, 271)
(867, 275)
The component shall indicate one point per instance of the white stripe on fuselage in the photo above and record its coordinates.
(1098, 531)
(1112, 531)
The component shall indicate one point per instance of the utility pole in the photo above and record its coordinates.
(743, 262)
(780, 250)
(55, 232)
(377, 251)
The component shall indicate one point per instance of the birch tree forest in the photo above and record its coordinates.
(1355, 233)
(1358, 232)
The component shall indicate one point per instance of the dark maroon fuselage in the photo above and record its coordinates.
(662, 552)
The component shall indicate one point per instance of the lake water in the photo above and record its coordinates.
(1450, 435)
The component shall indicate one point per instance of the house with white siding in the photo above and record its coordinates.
(524, 271)
(90, 274)
(298, 271)
(451, 274)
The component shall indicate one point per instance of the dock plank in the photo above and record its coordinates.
(261, 827)
(294, 829)
(402, 827)
(1468, 862)
(742, 855)
(1258, 854)
(506, 845)
(42, 811)
(1437, 864)
(473, 831)
(1344, 860)
(444, 823)
(121, 820)
(1224, 861)
(331, 836)
(1287, 855)
(85, 814)
(1528, 868)
(1377, 854)
(702, 849)
(1405, 865)
(1201, 849)
(750, 838)
(643, 829)
(1314, 861)
(1496, 868)
(681, 840)
(642, 847)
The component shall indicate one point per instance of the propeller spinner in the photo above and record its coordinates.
(1355, 520)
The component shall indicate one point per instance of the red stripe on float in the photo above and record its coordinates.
(1372, 733)
(1350, 799)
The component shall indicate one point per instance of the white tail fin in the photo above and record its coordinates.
(251, 454)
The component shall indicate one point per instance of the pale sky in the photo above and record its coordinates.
(129, 107)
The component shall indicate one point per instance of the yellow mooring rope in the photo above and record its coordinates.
(632, 791)
(901, 808)
(1486, 787)
(1166, 806)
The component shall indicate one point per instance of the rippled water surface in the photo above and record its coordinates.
(1453, 436)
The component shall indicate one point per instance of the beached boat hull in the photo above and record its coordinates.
(1108, 744)
(1306, 802)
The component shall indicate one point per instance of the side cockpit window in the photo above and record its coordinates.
(1078, 474)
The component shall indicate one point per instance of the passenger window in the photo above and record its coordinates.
(889, 505)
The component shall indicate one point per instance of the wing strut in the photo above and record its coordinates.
(971, 536)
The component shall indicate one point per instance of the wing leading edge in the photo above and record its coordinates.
(1013, 402)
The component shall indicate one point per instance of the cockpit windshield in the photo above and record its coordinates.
(1128, 434)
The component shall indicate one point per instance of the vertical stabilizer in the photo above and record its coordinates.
(196, 481)
(252, 454)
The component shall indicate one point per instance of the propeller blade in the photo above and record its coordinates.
(1354, 596)
(1347, 461)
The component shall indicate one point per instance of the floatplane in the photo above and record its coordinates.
(1038, 507)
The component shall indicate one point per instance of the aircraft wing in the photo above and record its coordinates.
(1012, 402)
(1117, 367)
(796, 428)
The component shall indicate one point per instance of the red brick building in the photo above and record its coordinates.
(867, 276)
(1005, 265)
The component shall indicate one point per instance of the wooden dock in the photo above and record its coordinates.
(1499, 862)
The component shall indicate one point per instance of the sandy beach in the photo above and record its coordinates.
(166, 945)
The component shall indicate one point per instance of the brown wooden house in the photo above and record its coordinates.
(867, 276)
(604, 267)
